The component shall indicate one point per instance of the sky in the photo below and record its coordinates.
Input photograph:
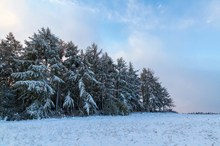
(177, 39)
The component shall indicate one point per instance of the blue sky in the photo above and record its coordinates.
(178, 39)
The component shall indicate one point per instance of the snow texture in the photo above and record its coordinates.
(147, 129)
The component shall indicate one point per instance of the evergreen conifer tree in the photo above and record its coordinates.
(33, 89)
(79, 77)
(147, 88)
(108, 90)
(155, 97)
(72, 63)
(44, 48)
(10, 52)
(121, 86)
(133, 89)
(92, 57)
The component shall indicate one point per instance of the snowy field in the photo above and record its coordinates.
(147, 129)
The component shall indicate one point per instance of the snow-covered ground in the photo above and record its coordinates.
(146, 129)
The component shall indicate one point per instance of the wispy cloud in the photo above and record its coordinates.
(212, 13)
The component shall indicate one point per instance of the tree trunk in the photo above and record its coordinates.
(57, 98)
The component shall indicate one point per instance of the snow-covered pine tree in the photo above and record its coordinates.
(161, 100)
(133, 89)
(44, 48)
(56, 73)
(33, 89)
(165, 102)
(10, 52)
(57, 69)
(155, 97)
(72, 62)
(33, 85)
(78, 79)
(92, 57)
(121, 86)
(147, 85)
(86, 78)
(168, 104)
(107, 74)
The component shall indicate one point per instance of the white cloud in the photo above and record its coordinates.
(141, 49)
(67, 19)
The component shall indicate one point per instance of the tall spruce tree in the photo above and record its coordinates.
(107, 74)
(155, 97)
(44, 48)
(147, 88)
(92, 57)
(10, 52)
(121, 85)
(134, 89)
(86, 78)
(72, 63)
(79, 77)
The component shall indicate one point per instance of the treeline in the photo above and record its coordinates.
(204, 113)
(49, 77)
